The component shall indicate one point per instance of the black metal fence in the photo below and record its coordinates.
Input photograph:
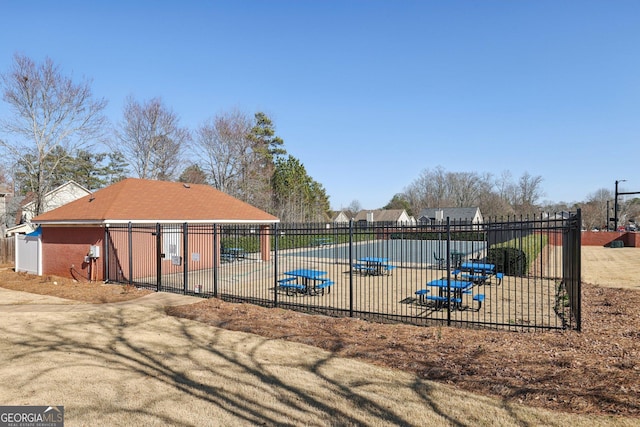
(453, 273)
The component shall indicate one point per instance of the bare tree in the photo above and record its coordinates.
(529, 192)
(594, 210)
(430, 189)
(151, 139)
(355, 206)
(505, 187)
(442, 187)
(438, 188)
(492, 205)
(466, 188)
(223, 145)
(240, 154)
(50, 113)
(633, 211)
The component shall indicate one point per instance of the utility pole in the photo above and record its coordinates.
(615, 207)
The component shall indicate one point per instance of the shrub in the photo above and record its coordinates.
(510, 261)
(514, 257)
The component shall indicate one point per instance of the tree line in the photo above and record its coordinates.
(56, 131)
(504, 197)
(501, 196)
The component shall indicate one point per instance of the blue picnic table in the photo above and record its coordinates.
(455, 287)
(478, 266)
(305, 281)
(478, 272)
(449, 293)
(456, 258)
(373, 265)
(232, 254)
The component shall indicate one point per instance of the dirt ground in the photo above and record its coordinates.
(596, 371)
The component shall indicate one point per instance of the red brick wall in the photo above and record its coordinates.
(634, 239)
(604, 238)
(555, 238)
(64, 250)
(143, 243)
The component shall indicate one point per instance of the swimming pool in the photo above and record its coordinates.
(396, 251)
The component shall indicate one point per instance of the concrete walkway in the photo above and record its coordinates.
(16, 301)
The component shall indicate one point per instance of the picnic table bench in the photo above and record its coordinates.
(232, 254)
(475, 278)
(305, 281)
(455, 300)
(374, 266)
(477, 272)
(439, 300)
(291, 287)
(364, 268)
(378, 270)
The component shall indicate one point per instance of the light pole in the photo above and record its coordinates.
(615, 206)
(615, 202)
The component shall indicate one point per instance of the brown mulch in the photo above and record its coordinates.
(90, 292)
(596, 371)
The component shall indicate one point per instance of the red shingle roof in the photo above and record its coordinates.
(140, 200)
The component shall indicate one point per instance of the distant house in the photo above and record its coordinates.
(67, 192)
(79, 230)
(341, 217)
(466, 216)
(384, 216)
(562, 215)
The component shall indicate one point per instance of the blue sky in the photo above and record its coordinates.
(368, 94)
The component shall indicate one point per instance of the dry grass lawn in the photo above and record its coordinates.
(590, 376)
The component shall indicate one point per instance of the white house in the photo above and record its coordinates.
(387, 216)
(341, 217)
(67, 192)
(455, 215)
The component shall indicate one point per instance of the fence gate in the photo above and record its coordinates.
(171, 257)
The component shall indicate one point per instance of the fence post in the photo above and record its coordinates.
(335, 242)
(448, 271)
(158, 258)
(574, 237)
(351, 267)
(276, 243)
(105, 260)
(216, 259)
(130, 237)
(185, 261)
